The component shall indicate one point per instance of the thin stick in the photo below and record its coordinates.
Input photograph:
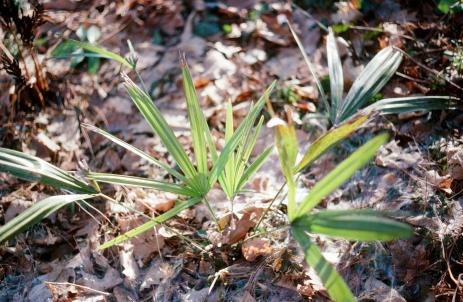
(77, 285)
(269, 206)
(267, 232)
(435, 72)
(216, 220)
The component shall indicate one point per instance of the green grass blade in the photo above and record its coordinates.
(370, 81)
(413, 103)
(354, 225)
(96, 50)
(236, 138)
(32, 168)
(253, 168)
(311, 69)
(335, 72)
(331, 279)
(196, 118)
(341, 173)
(150, 224)
(329, 139)
(36, 213)
(134, 181)
(159, 125)
(136, 151)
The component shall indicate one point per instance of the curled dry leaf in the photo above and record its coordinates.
(144, 245)
(238, 228)
(128, 262)
(440, 182)
(254, 248)
(393, 156)
(455, 162)
(378, 291)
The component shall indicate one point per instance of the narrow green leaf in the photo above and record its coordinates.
(245, 153)
(361, 225)
(228, 179)
(150, 224)
(370, 81)
(412, 103)
(332, 281)
(97, 52)
(335, 71)
(159, 125)
(329, 139)
(36, 213)
(341, 174)
(253, 168)
(134, 181)
(236, 138)
(136, 151)
(196, 117)
(32, 168)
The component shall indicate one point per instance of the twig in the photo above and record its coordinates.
(307, 14)
(77, 285)
(269, 206)
(435, 72)
(267, 232)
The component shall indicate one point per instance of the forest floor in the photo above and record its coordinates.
(235, 49)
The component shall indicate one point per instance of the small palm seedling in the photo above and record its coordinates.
(69, 49)
(370, 82)
(195, 178)
(364, 225)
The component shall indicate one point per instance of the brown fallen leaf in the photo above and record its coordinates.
(238, 228)
(146, 244)
(376, 290)
(441, 182)
(254, 248)
(455, 162)
(305, 289)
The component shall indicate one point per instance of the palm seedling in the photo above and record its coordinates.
(369, 83)
(305, 219)
(194, 180)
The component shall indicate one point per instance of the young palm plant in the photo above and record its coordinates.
(364, 225)
(370, 82)
(195, 178)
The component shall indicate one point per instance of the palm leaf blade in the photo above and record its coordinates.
(361, 225)
(36, 213)
(332, 281)
(341, 173)
(140, 182)
(150, 224)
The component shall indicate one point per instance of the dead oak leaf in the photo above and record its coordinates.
(254, 248)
